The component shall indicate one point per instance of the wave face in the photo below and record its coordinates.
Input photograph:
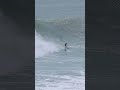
(58, 32)
(55, 68)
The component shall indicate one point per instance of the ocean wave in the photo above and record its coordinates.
(62, 30)
(43, 47)
(52, 34)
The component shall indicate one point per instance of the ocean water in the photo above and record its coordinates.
(50, 9)
(58, 22)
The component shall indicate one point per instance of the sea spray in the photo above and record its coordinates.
(43, 47)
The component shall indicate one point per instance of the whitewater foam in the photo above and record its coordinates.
(43, 47)
(64, 82)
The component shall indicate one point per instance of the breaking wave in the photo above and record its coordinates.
(50, 35)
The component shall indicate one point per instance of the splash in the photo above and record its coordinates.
(43, 47)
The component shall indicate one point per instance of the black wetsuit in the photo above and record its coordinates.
(65, 46)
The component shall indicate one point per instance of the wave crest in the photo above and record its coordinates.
(57, 32)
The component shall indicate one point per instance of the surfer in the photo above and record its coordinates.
(66, 47)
